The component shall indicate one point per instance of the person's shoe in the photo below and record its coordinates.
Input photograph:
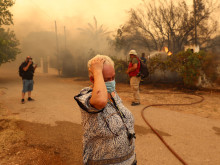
(22, 101)
(30, 99)
(134, 104)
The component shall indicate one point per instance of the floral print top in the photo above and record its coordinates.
(106, 131)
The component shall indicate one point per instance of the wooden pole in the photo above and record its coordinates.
(194, 4)
(58, 56)
(65, 37)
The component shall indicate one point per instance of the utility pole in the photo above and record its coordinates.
(58, 56)
(65, 37)
(194, 4)
(56, 39)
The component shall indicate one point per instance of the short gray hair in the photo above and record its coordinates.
(106, 58)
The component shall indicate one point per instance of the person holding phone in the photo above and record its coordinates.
(27, 70)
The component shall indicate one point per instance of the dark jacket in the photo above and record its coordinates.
(29, 74)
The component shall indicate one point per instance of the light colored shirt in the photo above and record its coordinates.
(105, 134)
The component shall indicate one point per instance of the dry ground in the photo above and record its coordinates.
(160, 94)
(45, 132)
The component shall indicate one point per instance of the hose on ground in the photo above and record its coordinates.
(158, 135)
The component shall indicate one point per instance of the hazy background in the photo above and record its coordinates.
(35, 15)
(34, 26)
(41, 14)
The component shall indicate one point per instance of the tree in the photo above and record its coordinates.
(95, 36)
(8, 42)
(164, 23)
(8, 46)
(5, 14)
(94, 31)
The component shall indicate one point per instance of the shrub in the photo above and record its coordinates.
(188, 65)
(120, 70)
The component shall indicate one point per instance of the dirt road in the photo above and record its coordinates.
(47, 131)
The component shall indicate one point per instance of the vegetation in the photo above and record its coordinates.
(94, 31)
(5, 14)
(8, 42)
(167, 23)
(8, 46)
(95, 36)
(157, 24)
(120, 68)
(188, 65)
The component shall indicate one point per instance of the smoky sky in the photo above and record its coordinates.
(39, 15)
(36, 15)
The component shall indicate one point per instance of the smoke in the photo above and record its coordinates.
(34, 25)
(39, 16)
(71, 13)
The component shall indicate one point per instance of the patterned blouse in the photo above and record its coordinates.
(106, 131)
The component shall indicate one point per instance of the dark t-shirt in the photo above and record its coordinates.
(144, 60)
(29, 74)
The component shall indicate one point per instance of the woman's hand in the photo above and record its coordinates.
(96, 66)
(99, 97)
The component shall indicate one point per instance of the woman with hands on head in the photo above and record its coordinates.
(109, 136)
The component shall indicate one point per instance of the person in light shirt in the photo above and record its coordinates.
(109, 136)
